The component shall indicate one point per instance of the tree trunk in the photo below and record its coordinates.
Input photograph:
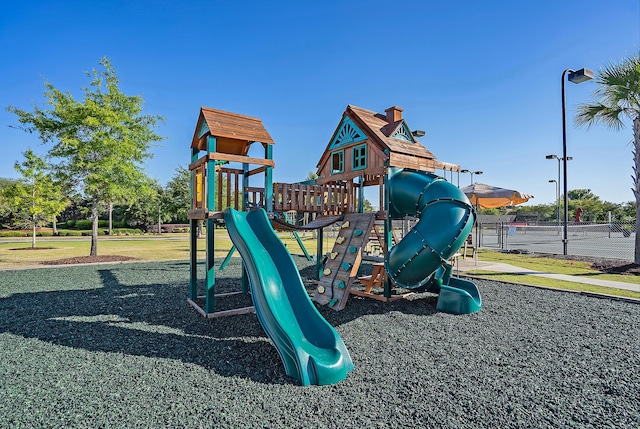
(33, 233)
(636, 184)
(55, 225)
(94, 230)
(110, 218)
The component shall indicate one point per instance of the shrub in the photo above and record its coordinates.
(71, 224)
(62, 225)
(127, 231)
(103, 224)
(13, 234)
(83, 224)
(44, 234)
(86, 233)
(119, 224)
(180, 229)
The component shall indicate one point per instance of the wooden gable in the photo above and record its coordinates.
(234, 132)
(385, 138)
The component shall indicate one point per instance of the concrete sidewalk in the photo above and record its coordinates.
(469, 264)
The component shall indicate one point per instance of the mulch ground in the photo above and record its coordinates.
(118, 346)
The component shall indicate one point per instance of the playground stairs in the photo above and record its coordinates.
(377, 234)
(341, 268)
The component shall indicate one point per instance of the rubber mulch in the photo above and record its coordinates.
(111, 346)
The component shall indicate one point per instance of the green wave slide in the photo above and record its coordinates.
(311, 350)
(446, 218)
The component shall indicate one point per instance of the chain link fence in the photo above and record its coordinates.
(614, 240)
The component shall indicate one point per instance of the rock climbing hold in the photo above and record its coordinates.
(340, 240)
(345, 225)
(346, 266)
(353, 249)
(341, 284)
(357, 233)
(333, 255)
(333, 302)
(326, 271)
(320, 289)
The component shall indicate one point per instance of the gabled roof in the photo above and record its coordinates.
(230, 127)
(379, 130)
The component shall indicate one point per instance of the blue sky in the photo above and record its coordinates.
(481, 78)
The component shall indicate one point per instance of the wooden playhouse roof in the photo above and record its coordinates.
(379, 129)
(382, 131)
(233, 131)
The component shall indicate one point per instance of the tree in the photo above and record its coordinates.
(36, 198)
(582, 194)
(617, 97)
(6, 214)
(146, 210)
(100, 143)
(177, 196)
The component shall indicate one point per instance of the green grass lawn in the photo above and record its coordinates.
(176, 247)
(555, 266)
(15, 252)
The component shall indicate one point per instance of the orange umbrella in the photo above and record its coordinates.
(487, 196)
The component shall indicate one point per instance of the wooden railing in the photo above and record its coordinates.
(328, 199)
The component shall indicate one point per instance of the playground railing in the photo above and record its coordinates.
(329, 199)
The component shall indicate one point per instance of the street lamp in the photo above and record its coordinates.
(557, 185)
(554, 156)
(472, 173)
(579, 76)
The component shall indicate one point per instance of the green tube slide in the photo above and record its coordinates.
(445, 219)
(310, 348)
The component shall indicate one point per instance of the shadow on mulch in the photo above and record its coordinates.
(141, 310)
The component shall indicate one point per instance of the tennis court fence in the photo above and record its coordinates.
(600, 240)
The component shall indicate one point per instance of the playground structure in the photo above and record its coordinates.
(366, 149)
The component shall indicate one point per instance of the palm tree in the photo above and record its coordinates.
(617, 97)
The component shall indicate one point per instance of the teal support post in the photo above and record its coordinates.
(304, 249)
(228, 257)
(210, 290)
(319, 253)
(268, 181)
(193, 237)
(245, 279)
(211, 175)
(193, 259)
(388, 225)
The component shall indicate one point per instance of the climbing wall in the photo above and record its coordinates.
(344, 260)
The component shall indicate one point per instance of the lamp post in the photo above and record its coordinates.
(554, 156)
(472, 173)
(579, 76)
(557, 186)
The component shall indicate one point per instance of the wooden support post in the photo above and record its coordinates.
(319, 255)
(361, 195)
(245, 185)
(268, 181)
